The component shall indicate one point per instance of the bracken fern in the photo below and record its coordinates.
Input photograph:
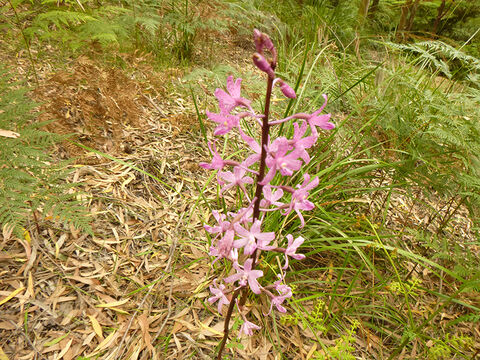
(30, 181)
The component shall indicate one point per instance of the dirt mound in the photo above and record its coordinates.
(98, 106)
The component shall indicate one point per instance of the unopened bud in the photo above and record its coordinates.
(287, 90)
(263, 41)
(263, 64)
(257, 38)
(267, 42)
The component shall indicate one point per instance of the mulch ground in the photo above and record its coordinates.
(137, 288)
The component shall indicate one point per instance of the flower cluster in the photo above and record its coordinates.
(238, 236)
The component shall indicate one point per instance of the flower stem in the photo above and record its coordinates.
(256, 212)
(261, 171)
(263, 155)
(226, 328)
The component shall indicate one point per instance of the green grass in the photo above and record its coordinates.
(402, 132)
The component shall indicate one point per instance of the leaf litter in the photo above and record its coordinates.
(137, 288)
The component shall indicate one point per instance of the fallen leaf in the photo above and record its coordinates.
(11, 295)
(113, 304)
(55, 341)
(9, 134)
(144, 325)
(105, 342)
(89, 338)
(64, 350)
(3, 356)
(96, 326)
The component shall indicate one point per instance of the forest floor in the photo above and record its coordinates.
(138, 288)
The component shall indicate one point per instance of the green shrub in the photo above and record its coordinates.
(31, 182)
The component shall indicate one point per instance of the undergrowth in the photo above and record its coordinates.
(163, 28)
(406, 142)
(32, 184)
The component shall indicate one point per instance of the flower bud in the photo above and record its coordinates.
(267, 42)
(263, 41)
(263, 64)
(287, 90)
(257, 38)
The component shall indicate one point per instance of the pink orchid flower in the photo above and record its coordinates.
(247, 328)
(246, 275)
(291, 249)
(236, 178)
(278, 159)
(252, 239)
(300, 143)
(322, 121)
(218, 295)
(225, 121)
(299, 198)
(228, 101)
(217, 162)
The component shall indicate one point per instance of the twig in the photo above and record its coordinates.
(154, 105)
(167, 269)
(119, 346)
(37, 353)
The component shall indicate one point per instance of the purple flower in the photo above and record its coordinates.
(225, 121)
(271, 198)
(244, 216)
(217, 162)
(278, 159)
(246, 275)
(218, 295)
(228, 101)
(284, 292)
(252, 239)
(301, 143)
(253, 158)
(236, 178)
(313, 119)
(291, 249)
(222, 224)
(321, 121)
(299, 198)
(224, 246)
(247, 328)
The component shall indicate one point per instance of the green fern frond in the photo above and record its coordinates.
(440, 57)
(29, 180)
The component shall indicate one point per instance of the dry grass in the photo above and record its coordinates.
(137, 288)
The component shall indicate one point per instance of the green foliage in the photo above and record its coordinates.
(315, 320)
(320, 20)
(440, 57)
(343, 348)
(441, 349)
(431, 129)
(161, 27)
(409, 287)
(30, 181)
